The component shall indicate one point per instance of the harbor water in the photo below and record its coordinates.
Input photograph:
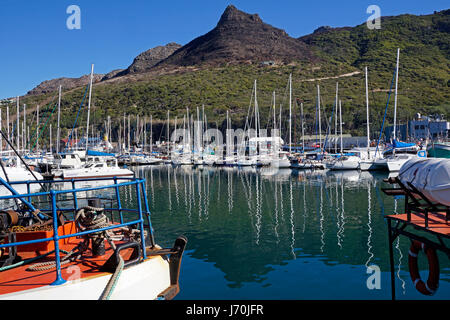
(262, 234)
(282, 234)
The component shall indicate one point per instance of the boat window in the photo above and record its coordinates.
(99, 165)
(72, 156)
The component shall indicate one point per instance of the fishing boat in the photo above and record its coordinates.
(82, 250)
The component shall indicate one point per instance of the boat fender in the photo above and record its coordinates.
(431, 285)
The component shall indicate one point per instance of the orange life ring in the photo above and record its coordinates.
(427, 288)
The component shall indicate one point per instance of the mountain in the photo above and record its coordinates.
(147, 59)
(50, 86)
(218, 70)
(240, 37)
(424, 43)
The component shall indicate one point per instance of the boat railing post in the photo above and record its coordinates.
(75, 199)
(391, 258)
(119, 203)
(141, 224)
(59, 280)
(147, 213)
(28, 191)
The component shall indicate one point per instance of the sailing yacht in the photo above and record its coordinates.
(401, 151)
(98, 168)
(18, 172)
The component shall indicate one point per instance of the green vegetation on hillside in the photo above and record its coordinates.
(424, 84)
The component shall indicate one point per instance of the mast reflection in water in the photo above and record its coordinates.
(286, 234)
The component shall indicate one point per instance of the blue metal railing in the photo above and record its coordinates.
(140, 192)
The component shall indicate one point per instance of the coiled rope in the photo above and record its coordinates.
(90, 218)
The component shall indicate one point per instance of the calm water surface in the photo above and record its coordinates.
(260, 234)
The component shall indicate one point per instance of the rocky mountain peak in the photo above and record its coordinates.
(232, 14)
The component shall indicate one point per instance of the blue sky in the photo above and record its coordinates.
(36, 45)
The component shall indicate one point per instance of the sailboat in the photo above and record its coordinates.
(230, 158)
(369, 161)
(280, 158)
(400, 151)
(251, 159)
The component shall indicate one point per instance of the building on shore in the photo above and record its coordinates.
(422, 127)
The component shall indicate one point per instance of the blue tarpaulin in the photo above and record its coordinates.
(99, 153)
(399, 144)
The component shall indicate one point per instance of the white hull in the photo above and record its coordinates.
(351, 163)
(142, 281)
(369, 165)
(19, 174)
(282, 163)
(396, 162)
(84, 173)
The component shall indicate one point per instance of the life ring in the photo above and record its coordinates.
(430, 287)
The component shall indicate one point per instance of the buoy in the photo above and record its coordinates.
(427, 288)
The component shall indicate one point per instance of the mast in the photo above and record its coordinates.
(256, 121)
(395, 97)
(145, 133)
(340, 119)
(58, 134)
(17, 125)
(303, 131)
(274, 117)
(227, 137)
(1, 137)
(50, 137)
(89, 106)
(37, 127)
(290, 112)
(7, 126)
(124, 130)
(151, 134)
(129, 133)
(168, 133)
(24, 127)
(320, 125)
(367, 107)
(335, 118)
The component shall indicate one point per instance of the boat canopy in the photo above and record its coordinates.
(431, 176)
(399, 144)
(99, 153)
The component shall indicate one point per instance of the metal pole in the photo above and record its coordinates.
(89, 107)
(395, 97)
(59, 280)
(58, 135)
(17, 125)
(367, 111)
(290, 113)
